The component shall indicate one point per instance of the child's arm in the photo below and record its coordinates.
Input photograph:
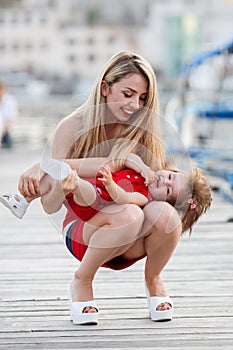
(134, 162)
(118, 195)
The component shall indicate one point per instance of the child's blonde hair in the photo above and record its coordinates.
(196, 199)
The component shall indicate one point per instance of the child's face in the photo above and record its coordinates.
(167, 185)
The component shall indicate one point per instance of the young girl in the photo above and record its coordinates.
(137, 184)
(121, 116)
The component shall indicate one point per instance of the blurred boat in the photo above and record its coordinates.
(202, 114)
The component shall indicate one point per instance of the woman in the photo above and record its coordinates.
(119, 117)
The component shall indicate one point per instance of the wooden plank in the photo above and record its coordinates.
(35, 269)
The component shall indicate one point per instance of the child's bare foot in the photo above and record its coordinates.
(71, 183)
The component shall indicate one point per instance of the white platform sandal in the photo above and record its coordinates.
(160, 315)
(78, 316)
(154, 302)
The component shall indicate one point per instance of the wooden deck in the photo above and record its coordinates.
(35, 269)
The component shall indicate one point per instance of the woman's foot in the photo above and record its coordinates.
(156, 288)
(160, 304)
(81, 292)
(83, 311)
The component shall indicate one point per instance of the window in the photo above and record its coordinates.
(90, 41)
(2, 46)
(43, 18)
(71, 58)
(43, 45)
(15, 46)
(111, 39)
(91, 57)
(29, 45)
(52, 3)
(14, 19)
(71, 42)
(28, 18)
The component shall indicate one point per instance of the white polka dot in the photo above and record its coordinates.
(136, 177)
(128, 176)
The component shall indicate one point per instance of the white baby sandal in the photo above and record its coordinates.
(16, 203)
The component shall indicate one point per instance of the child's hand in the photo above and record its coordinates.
(106, 175)
(70, 183)
(149, 175)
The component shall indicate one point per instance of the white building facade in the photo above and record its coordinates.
(66, 38)
(179, 29)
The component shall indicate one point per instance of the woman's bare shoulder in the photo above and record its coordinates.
(72, 120)
(66, 133)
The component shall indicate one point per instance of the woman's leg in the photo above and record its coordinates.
(160, 235)
(160, 244)
(108, 234)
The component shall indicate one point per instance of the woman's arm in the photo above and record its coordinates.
(118, 194)
(29, 181)
(89, 167)
(63, 138)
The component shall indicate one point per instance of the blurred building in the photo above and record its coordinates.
(73, 38)
(68, 38)
(178, 30)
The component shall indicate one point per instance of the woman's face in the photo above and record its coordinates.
(167, 185)
(126, 96)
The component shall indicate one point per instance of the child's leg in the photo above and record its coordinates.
(83, 191)
(53, 192)
(52, 195)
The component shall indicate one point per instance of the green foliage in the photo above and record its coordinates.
(93, 15)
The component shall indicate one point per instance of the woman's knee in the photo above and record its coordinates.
(130, 222)
(117, 215)
(117, 224)
(163, 217)
(131, 214)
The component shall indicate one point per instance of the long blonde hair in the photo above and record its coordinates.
(142, 132)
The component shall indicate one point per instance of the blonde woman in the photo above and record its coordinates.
(120, 116)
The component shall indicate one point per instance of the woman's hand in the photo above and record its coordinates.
(29, 182)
